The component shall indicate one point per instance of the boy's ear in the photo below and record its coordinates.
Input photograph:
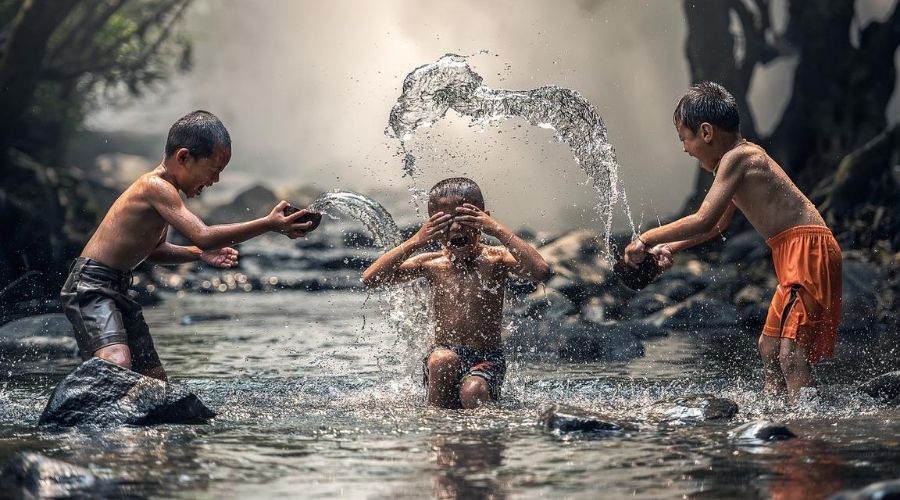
(706, 132)
(181, 155)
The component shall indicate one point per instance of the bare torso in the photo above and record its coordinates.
(768, 198)
(467, 298)
(131, 229)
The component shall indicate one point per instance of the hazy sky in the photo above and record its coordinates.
(305, 89)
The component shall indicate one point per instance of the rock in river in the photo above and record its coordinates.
(31, 475)
(885, 387)
(103, 394)
(884, 490)
(759, 432)
(693, 408)
(564, 419)
(46, 336)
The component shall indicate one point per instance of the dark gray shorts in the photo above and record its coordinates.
(95, 299)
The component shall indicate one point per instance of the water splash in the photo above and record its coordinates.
(450, 83)
(407, 304)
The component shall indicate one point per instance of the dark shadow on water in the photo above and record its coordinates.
(466, 464)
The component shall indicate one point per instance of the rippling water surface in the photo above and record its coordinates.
(317, 398)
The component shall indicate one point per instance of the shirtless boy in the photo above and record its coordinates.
(803, 319)
(466, 365)
(110, 325)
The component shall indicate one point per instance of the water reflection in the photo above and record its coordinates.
(467, 464)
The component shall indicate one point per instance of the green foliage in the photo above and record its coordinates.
(110, 49)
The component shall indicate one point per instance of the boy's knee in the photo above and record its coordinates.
(768, 347)
(474, 392)
(790, 360)
(443, 361)
(119, 354)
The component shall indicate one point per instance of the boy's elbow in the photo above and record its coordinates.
(542, 273)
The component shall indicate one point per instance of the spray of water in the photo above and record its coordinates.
(450, 83)
(406, 304)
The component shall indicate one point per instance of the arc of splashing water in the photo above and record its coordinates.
(369, 212)
(406, 311)
(431, 90)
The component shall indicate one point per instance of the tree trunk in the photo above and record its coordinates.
(22, 61)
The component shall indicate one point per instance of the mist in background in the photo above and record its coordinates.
(305, 89)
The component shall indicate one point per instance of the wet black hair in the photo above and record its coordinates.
(200, 132)
(456, 187)
(707, 102)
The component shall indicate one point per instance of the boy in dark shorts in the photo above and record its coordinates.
(108, 324)
(805, 312)
(466, 366)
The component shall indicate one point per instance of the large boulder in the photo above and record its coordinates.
(103, 394)
(46, 336)
(693, 409)
(884, 387)
(698, 312)
(585, 341)
(760, 432)
(748, 246)
(563, 419)
(578, 263)
(31, 475)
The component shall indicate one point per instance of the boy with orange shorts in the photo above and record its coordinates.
(801, 327)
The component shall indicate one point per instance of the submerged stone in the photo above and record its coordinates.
(885, 387)
(759, 432)
(566, 419)
(104, 394)
(884, 490)
(31, 475)
(693, 408)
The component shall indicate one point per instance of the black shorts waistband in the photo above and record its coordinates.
(99, 270)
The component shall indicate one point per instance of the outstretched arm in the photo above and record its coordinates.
(719, 227)
(704, 222)
(524, 260)
(396, 266)
(164, 198)
(167, 253)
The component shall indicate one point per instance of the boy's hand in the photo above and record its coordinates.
(472, 216)
(222, 257)
(663, 255)
(635, 253)
(435, 226)
(287, 224)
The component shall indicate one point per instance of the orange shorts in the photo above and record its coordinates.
(807, 302)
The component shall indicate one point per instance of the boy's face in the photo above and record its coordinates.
(696, 144)
(460, 240)
(199, 173)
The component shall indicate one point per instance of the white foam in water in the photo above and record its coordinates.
(450, 83)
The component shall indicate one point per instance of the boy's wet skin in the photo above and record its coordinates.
(468, 282)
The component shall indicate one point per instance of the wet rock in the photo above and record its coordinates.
(884, 387)
(745, 247)
(46, 336)
(677, 289)
(251, 203)
(647, 303)
(884, 490)
(566, 419)
(583, 341)
(760, 432)
(546, 303)
(696, 313)
(693, 408)
(579, 268)
(31, 475)
(100, 393)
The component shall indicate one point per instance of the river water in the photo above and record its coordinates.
(316, 398)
